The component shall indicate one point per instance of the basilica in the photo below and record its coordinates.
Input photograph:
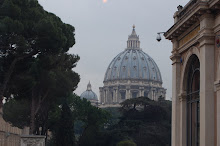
(132, 73)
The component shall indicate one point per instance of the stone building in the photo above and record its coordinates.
(132, 73)
(90, 95)
(9, 135)
(196, 74)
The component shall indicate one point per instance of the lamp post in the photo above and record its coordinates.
(158, 36)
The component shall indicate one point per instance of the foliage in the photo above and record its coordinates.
(144, 121)
(115, 115)
(126, 143)
(92, 119)
(88, 121)
(35, 65)
(17, 112)
(65, 131)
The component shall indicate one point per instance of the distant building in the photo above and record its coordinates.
(132, 73)
(90, 95)
(196, 74)
(9, 135)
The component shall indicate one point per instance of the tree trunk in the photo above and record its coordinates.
(36, 105)
(9, 73)
(32, 120)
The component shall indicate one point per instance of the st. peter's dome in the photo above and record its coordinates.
(132, 73)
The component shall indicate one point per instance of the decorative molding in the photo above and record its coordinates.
(206, 39)
(175, 57)
(189, 36)
(32, 140)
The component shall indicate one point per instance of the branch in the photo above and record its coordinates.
(41, 101)
(10, 71)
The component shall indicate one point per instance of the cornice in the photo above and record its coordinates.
(187, 17)
(206, 39)
(212, 3)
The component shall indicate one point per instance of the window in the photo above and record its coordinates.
(145, 94)
(193, 102)
(134, 94)
(122, 95)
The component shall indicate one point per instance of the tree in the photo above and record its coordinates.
(34, 59)
(92, 120)
(17, 112)
(143, 120)
(126, 143)
(88, 121)
(27, 30)
(65, 131)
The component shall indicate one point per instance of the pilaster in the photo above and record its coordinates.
(183, 127)
(206, 40)
(128, 93)
(175, 99)
(116, 95)
(217, 89)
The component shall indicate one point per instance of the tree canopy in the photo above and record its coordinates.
(142, 120)
(88, 121)
(35, 64)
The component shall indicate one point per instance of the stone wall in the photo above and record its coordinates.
(9, 136)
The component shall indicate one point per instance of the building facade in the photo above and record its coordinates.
(132, 73)
(196, 74)
(9, 135)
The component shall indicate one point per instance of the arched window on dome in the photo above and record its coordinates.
(193, 102)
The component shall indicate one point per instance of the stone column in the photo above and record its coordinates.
(116, 98)
(139, 93)
(175, 92)
(128, 93)
(104, 98)
(206, 39)
(217, 89)
(101, 95)
(107, 96)
(183, 127)
(141, 89)
(114, 95)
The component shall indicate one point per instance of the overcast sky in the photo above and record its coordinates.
(102, 28)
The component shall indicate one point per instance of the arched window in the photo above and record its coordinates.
(122, 95)
(146, 94)
(134, 94)
(193, 102)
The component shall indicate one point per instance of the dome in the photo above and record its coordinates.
(133, 63)
(131, 74)
(89, 94)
